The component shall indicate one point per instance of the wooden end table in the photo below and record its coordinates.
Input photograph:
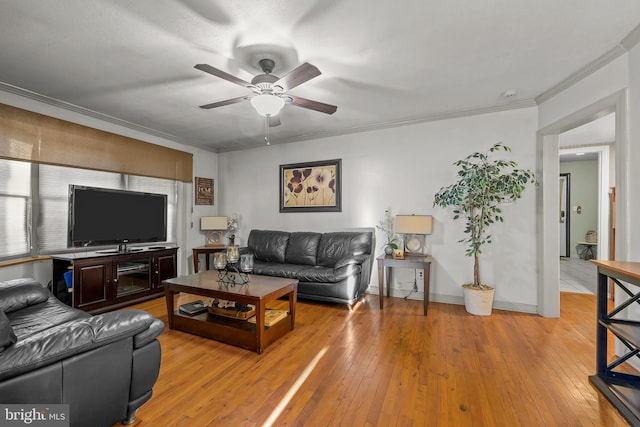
(207, 251)
(259, 291)
(385, 262)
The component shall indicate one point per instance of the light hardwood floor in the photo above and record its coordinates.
(388, 368)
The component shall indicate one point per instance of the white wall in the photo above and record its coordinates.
(189, 234)
(402, 168)
(633, 156)
(602, 83)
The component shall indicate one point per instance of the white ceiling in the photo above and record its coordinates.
(382, 63)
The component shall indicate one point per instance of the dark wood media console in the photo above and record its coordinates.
(107, 280)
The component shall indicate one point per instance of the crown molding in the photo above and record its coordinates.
(86, 112)
(585, 71)
(626, 44)
(632, 39)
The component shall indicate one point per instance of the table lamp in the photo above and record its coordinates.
(215, 227)
(414, 228)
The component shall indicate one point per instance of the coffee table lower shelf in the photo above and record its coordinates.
(238, 332)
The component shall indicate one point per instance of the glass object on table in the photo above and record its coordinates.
(220, 260)
(232, 254)
(246, 263)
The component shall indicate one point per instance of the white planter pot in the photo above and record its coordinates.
(477, 301)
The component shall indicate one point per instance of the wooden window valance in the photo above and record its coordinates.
(36, 138)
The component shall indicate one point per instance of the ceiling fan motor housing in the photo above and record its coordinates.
(262, 79)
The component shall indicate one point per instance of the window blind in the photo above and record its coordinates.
(15, 208)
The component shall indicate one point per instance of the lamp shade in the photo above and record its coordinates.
(267, 105)
(213, 223)
(414, 224)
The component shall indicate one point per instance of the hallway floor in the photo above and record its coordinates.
(578, 276)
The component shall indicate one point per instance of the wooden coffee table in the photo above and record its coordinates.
(259, 291)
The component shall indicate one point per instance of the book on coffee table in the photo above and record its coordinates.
(192, 308)
(271, 317)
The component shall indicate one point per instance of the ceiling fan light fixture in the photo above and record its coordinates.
(267, 105)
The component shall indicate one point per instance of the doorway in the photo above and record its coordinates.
(548, 161)
(588, 164)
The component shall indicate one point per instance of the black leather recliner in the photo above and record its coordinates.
(103, 366)
(331, 267)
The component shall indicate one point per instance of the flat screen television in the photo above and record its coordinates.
(101, 216)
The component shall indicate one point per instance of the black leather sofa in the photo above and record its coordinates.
(331, 267)
(103, 367)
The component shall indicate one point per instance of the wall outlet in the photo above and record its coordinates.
(420, 274)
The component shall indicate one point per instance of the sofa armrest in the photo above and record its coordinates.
(350, 260)
(21, 293)
(74, 337)
(149, 334)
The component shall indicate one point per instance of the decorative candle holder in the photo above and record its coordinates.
(232, 254)
(219, 260)
(227, 267)
(246, 263)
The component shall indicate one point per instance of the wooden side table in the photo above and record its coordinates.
(385, 262)
(587, 251)
(206, 250)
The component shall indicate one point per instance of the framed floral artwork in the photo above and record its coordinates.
(311, 187)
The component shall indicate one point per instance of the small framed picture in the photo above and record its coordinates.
(398, 254)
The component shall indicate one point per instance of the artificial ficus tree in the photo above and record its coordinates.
(483, 185)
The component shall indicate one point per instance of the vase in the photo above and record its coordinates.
(388, 250)
(232, 241)
(477, 301)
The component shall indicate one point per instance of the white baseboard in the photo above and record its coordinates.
(456, 299)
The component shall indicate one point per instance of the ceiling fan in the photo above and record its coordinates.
(269, 91)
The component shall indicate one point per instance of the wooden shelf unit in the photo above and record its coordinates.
(104, 281)
(622, 389)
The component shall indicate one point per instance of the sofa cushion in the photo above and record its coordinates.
(268, 245)
(302, 248)
(336, 246)
(277, 269)
(43, 316)
(7, 336)
(21, 293)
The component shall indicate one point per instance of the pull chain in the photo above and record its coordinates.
(266, 130)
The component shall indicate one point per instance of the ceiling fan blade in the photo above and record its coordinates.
(312, 105)
(223, 103)
(274, 121)
(223, 75)
(297, 76)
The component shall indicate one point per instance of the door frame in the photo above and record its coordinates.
(548, 170)
(567, 215)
